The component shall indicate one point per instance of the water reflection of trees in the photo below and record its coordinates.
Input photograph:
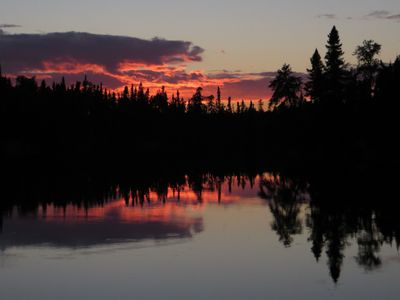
(285, 197)
(336, 212)
(336, 217)
(26, 194)
(33, 198)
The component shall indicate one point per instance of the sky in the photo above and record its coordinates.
(237, 45)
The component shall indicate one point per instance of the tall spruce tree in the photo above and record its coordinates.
(334, 67)
(195, 104)
(219, 104)
(229, 107)
(315, 86)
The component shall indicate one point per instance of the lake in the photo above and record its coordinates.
(199, 236)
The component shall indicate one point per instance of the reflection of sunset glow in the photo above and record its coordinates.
(169, 206)
(118, 210)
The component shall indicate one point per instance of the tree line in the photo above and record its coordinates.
(338, 107)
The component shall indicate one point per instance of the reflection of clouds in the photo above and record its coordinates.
(111, 249)
(112, 222)
(70, 234)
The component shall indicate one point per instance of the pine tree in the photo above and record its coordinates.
(211, 106)
(63, 86)
(125, 93)
(260, 105)
(141, 96)
(243, 108)
(334, 67)
(314, 87)
(196, 105)
(286, 88)
(334, 55)
(85, 83)
(160, 101)
(229, 105)
(219, 105)
(238, 111)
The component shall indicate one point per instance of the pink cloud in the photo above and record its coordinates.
(116, 61)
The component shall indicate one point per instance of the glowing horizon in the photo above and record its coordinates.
(236, 46)
(155, 63)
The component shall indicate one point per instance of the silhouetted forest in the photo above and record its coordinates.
(339, 113)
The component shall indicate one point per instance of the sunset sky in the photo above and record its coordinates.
(184, 44)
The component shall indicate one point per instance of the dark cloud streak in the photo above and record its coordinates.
(9, 26)
(327, 16)
(29, 51)
(120, 60)
(394, 17)
(383, 14)
(378, 14)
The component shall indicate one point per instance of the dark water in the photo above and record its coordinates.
(202, 237)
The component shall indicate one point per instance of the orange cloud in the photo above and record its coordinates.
(171, 77)
(117, 61)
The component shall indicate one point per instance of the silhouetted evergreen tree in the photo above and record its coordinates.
(196, 102)
(334, 65)
(229, 106)
(315, 86)
(260, 107)
(387, 83)
(160, 101)
(211, 105)
(286, 88)
(220, 107)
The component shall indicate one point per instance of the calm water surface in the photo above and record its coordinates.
(214, 238)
